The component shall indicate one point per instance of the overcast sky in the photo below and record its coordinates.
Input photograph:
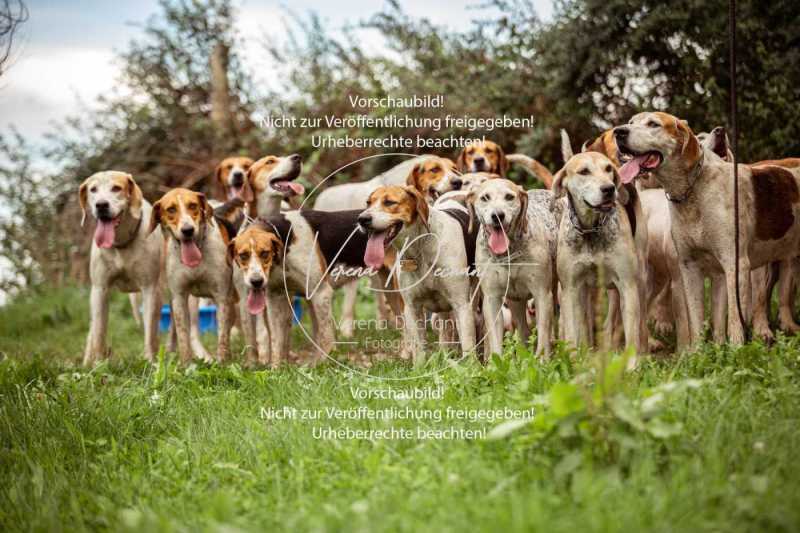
(66, 51)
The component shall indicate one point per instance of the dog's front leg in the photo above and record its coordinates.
(349, 308)
(693, 288)
(543, 298)
(414, 331)
(279, 316)
(735, 327)
(631, 314)
(180, 312)
(613, 320)
(493, 322)
(96, 340)
(263, 339)
(321, 319)
(151, 303)
(223, 327)
(574, 315)
(719, 308)
(198, 347)
(248, 321)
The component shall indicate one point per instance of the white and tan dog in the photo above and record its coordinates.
(700, 190)
(252, 254)
(196, 263)
(432, 264)
(230, 179)
(596, 246)
(515, 255)
(124, 256)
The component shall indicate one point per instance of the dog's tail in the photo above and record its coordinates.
(536, 169)
(566, 146)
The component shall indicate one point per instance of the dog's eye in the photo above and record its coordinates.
(264, 255)
(653, 124)
(509, 197)
(192, 207)
(93, 189)
(244, 256)
(489, 151)
(389, 203)
(584, 172)
(172, 210)
(608, 168)
(116, 188)
(485, 198)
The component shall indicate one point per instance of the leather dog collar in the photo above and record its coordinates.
(693, 175)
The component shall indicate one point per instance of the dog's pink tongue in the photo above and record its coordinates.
(256, 302)
(104, 233)
(234, 193)
(631, 169)
(190, 254)
(296, 187)
(498, 241)
(374, 254)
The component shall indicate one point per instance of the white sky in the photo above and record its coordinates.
(66, 50)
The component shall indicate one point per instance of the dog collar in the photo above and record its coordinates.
(576, 223)
(134, 233)
(693, 175)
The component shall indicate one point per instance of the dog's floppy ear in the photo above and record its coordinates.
(231, 251)
(690, 147)
(413, 177)
(622, 190)
(461, 161)
(247, 190)
(502, 163)
(421, 205)
(219, 184)
(83, 198)
(277, 250)
(205, 207)
(558, 183)
(471, 208)
(134, 198)
(155, 217)
(521, 224)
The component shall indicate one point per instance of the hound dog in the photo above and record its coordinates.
(700, 192)
(196, 262)
(433, 261)
(763, 278)
(457, 199)
(596, 245)
(638, 218)
(272, 179)
(230, 180)
(252, 253)
(431, 174)
(318, 247)
(488, 156)
(123, 256)
(515, 254)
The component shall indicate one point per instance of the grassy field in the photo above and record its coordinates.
(705, 442)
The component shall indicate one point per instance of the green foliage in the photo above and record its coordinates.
(702, 442)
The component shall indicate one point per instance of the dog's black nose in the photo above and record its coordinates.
(499, 216)
(237, 178)
(365, 220)
(607, 190)
(295, 158)
(456, 184)
(257, 283)
(102, 205)
(621, 133)
(187, 231)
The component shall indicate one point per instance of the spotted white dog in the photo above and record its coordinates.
(515, 255)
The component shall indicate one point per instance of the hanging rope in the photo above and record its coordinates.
(735, 149)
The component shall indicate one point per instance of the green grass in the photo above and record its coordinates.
(707, 442)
